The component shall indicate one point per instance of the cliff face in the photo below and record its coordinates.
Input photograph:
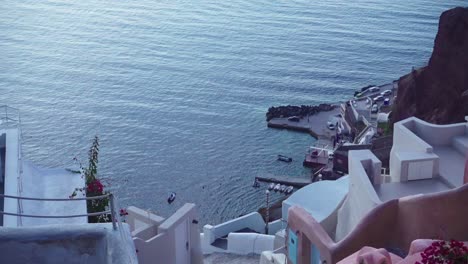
(438, 93)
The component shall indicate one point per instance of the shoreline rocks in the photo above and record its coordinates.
(300, 111)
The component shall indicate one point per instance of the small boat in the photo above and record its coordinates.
(171, 197)
(283, 188)
(277, 187)
(289, 190)
(256, 183)
(271, 186)
(284, 158)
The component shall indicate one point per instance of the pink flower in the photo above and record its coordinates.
(445, 252)
(123, 212)
(95, 187)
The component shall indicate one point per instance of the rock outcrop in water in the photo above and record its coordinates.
(438, 93)
(301, 111)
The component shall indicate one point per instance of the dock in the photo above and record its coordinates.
(289, 181)
(315, 125)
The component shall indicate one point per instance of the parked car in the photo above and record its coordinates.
(375, 109)
(386, 101)
(378, 98)
(330, 125)
(374, 89)
(294, 119)
(386, 92)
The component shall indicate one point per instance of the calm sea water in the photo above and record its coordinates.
(178, 90)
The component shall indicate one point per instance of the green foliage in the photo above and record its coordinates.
(385, 128)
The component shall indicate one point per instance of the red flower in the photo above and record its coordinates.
(445, 252)
(123, 212)
(95, 187)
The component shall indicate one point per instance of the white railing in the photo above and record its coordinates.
(111, 211)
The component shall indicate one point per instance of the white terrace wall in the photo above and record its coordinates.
(247, 243)
(252, 221)
(141, 222)
(409, 148)
(438, 135)
(364, 168)
(166, 246)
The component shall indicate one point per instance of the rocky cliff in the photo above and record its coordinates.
(438, 93)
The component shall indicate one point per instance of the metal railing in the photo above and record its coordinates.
(9, 115)
(111, 211)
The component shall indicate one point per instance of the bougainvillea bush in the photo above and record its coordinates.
(444, 252)
(94, 186)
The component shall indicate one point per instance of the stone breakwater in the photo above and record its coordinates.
(300, 111)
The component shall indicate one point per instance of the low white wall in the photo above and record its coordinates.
(247, 243)
(11, 177)
(275, 226)
(361, 197)
(354, 111)
(253, 221)
(163, 247)
(138, 219)
(152, 249)
(405, 140)
(438, 135)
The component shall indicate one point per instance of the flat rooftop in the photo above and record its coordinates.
(451, 165)
(395, 190)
